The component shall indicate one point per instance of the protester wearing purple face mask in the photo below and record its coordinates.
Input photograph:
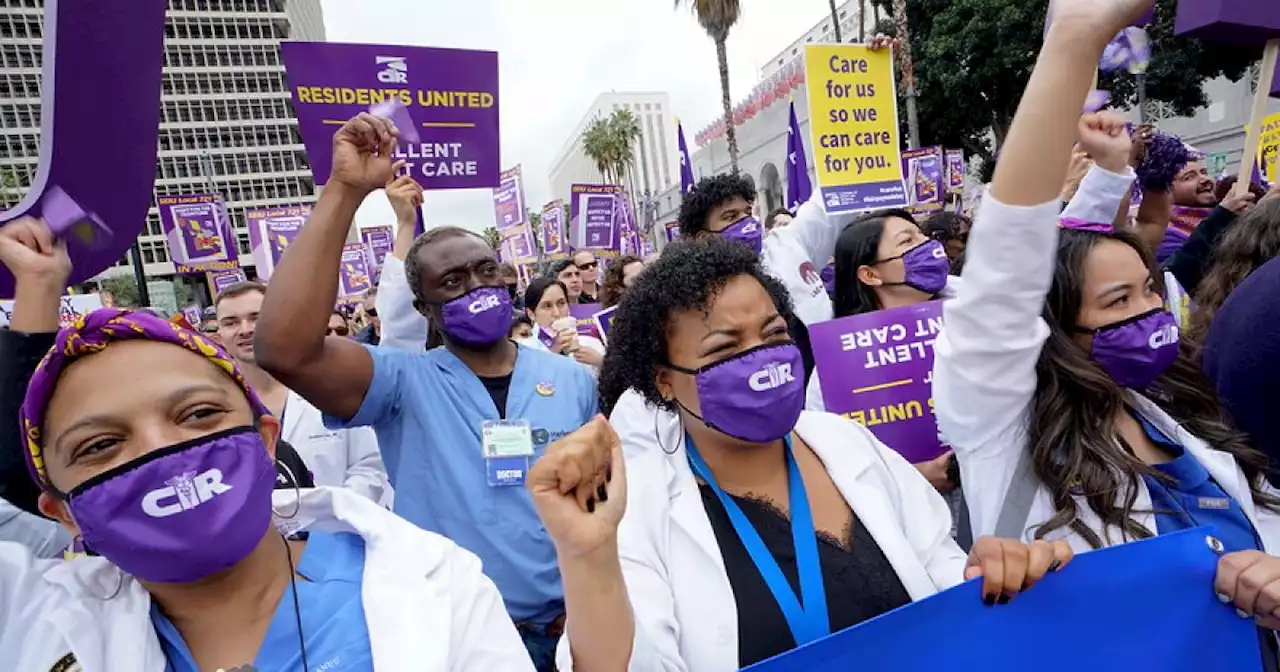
(684, 579)
(1057, 375)
(457, 425)
(171, 487)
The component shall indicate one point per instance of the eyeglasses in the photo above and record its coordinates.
(587, 266)
(340, 331)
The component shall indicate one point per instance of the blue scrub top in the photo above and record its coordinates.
(427, 409)
(1194, 498)
(336, 633)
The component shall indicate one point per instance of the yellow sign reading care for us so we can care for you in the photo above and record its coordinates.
(853, 124)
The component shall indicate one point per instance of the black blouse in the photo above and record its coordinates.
(860, 582)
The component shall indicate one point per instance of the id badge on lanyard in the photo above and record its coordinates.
(508, 451)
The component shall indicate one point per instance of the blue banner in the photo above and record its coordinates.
(1148, 605)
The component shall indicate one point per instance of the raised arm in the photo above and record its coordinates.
(985, 356)
(403, 327)
(332, 373)
(40, 267)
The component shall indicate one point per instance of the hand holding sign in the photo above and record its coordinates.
(579, 488)
(1008, 566)
(32, 254)
(362, 152)
(404, 193)
(1251, 580)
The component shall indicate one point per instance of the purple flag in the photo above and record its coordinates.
(199, 233)
(875, 368)
(686, 162)
(271, 230)
(450, 94)
(799, 188)
(99, 102)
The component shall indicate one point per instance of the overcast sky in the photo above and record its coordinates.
(556, 56)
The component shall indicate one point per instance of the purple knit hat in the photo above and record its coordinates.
(92, 333)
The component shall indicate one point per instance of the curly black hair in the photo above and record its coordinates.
(707, 194)
(687, 276)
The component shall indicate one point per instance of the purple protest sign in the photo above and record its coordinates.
(450, 94)
(603, 321)
(522, 246)
(554, 245)
(354, 278)
(672, 230)
(586, 314)
(380, 240)
(876, 368)
(1250, 22)
(191, 312)
(99, 100)
(508, 203)
(199, 233)
(594, 215)
(923, 169)
(270, 232)
(955, 171)
(646, 246)
(221, 280)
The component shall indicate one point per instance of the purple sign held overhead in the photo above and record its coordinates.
(451, 95)
(554, 245)
(594, 216)
(99, 101)
(220, 280)
(271, 230)
(380, 240)
(354, 278)
(876, 368)
(955, 171)
(923, 169)
(508, 203)
(199, 233)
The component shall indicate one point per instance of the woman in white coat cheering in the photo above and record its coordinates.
(1057, 376)
(169, 487)
(754, 499)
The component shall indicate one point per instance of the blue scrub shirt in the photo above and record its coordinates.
(336, 634)
(427, 409)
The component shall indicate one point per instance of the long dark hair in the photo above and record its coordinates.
(858, 246)
(1246, 246)
(1071, 429)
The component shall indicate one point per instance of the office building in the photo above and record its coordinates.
(657, 159)
(822, 32)
(227, 123)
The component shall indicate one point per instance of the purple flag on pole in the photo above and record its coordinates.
(799, 188)
(686, 162)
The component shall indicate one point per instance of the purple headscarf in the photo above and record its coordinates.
(90, 334)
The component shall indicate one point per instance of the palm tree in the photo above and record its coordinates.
(717, 17)
(597, 144)
(492, 237)
(610, 143)
(907, 65)
(835, 20)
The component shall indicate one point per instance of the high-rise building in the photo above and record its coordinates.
(820, 33)
(657, 161)
(227, 124)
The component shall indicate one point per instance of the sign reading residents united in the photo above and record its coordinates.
(451, 96)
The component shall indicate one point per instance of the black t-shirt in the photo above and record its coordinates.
(497, 388)
(860, 582)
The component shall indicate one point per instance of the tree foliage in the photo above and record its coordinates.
(717, 18)
(492, 237)
(610, 143)
(123, 290)
(973, 59)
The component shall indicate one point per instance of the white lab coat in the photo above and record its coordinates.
(43, 537)
(341, 458)
(984, 377)
(403, 327)
(426, 602)
(795, 255)
(685, 614)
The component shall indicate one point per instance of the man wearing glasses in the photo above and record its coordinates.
(371, 334)
(589, 269)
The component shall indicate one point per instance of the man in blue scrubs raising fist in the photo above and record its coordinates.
(458, 426)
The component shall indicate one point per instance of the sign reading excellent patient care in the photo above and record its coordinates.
(451, 96)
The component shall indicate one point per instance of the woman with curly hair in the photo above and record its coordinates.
(1251, 242)
(620, 275)
(747, 487)
(1057, 377)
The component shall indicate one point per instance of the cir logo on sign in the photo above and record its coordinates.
(395, 70)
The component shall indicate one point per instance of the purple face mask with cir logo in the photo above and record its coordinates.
(181, 513)
(748, 231)
(1138, 350)
(754, 396)
(478, 318)
(925, 267)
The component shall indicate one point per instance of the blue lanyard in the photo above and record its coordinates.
(806, 616)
